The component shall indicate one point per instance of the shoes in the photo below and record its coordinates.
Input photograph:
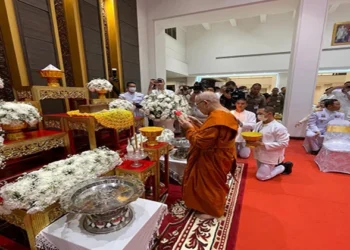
(288, 167)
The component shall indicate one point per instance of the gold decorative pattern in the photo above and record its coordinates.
(77, 126)
(55, 212)
(43, 92)
(13, 219)
(24, 95)
(28, 147)
(6, 93)
(56, 124)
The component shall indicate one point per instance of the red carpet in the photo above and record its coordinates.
(182, 230)
(308, 210)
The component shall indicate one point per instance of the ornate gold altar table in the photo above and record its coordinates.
(34, 142)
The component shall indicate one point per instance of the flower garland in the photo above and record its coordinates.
(121, 104)
(99, 84)
(15, 113)
(37, 190)
(2, 164)
(160, 106)
(116, 118)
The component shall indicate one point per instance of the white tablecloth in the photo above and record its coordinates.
(67, 234)
(176, 167)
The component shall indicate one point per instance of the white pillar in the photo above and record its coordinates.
(303, 68)
(143, 43)
(160, 50)
(282, 80)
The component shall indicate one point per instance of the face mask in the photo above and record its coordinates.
(132, 89)
(262, 118)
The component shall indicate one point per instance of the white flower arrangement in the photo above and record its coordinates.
(184, 106)
(99, 84)
(37, 190)
(1, 83)
(15, 113)
(160, 106)
(121, 104)
(166, 136)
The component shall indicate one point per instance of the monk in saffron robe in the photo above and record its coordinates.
(211, 156)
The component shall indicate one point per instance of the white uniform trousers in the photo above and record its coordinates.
(268, 171)
(314, 142)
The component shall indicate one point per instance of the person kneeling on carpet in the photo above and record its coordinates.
(210, 158)
(269, 152)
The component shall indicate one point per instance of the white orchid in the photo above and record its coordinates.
(39, 189)
(160, 106)
(99, 84)
(15, 113)
(121, 104)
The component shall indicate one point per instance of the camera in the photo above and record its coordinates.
(198, 86)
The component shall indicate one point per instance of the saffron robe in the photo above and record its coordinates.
(210, 158)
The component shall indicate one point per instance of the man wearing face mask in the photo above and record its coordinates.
(211, 157)
(317, 124)
(342, 94)
(134, 97)
(269, 152)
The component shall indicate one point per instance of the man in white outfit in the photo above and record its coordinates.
(269, 152)
(134, 97)
(247, 121)
(342, 94)
(158, 87)
(317, 124)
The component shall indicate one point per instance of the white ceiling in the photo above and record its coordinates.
(171, 74)
(248, 11)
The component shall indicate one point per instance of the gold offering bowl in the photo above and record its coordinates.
(101, 93)
(52, 77)
(251, 137)
(278, 116)
(151, 133)
(14, 131)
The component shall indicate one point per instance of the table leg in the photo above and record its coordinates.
(92, 133)
(157, 181)
(166, 170)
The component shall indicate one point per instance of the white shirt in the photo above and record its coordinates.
(275, 138)
(248, 119)
(344, 102)
(134, 98)
(167, 91)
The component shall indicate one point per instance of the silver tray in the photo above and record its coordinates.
(104, 202)
(180, 143)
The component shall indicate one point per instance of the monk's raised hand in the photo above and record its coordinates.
(185, 123)
(195, 120)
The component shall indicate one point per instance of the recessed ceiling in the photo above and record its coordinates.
(171, 74)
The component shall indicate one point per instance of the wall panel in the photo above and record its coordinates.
(127, 13)
(6, 93)
(35, 27)
(92, 36)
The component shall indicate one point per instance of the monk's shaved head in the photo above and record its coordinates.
(208, 96)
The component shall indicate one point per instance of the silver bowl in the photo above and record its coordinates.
(136, 157)
(103, 202)
(182, 146)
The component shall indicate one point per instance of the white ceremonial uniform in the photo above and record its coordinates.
(318, 122)
(134, 98)
(344, 102)
(276, 139)
(248, 119)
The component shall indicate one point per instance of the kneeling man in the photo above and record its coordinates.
(210, 158)
(269, 152)
(247, 121)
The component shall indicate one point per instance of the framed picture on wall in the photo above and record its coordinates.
(341, 34)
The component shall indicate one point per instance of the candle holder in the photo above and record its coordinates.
(136, 157)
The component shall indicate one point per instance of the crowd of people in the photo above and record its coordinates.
(219, 115)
